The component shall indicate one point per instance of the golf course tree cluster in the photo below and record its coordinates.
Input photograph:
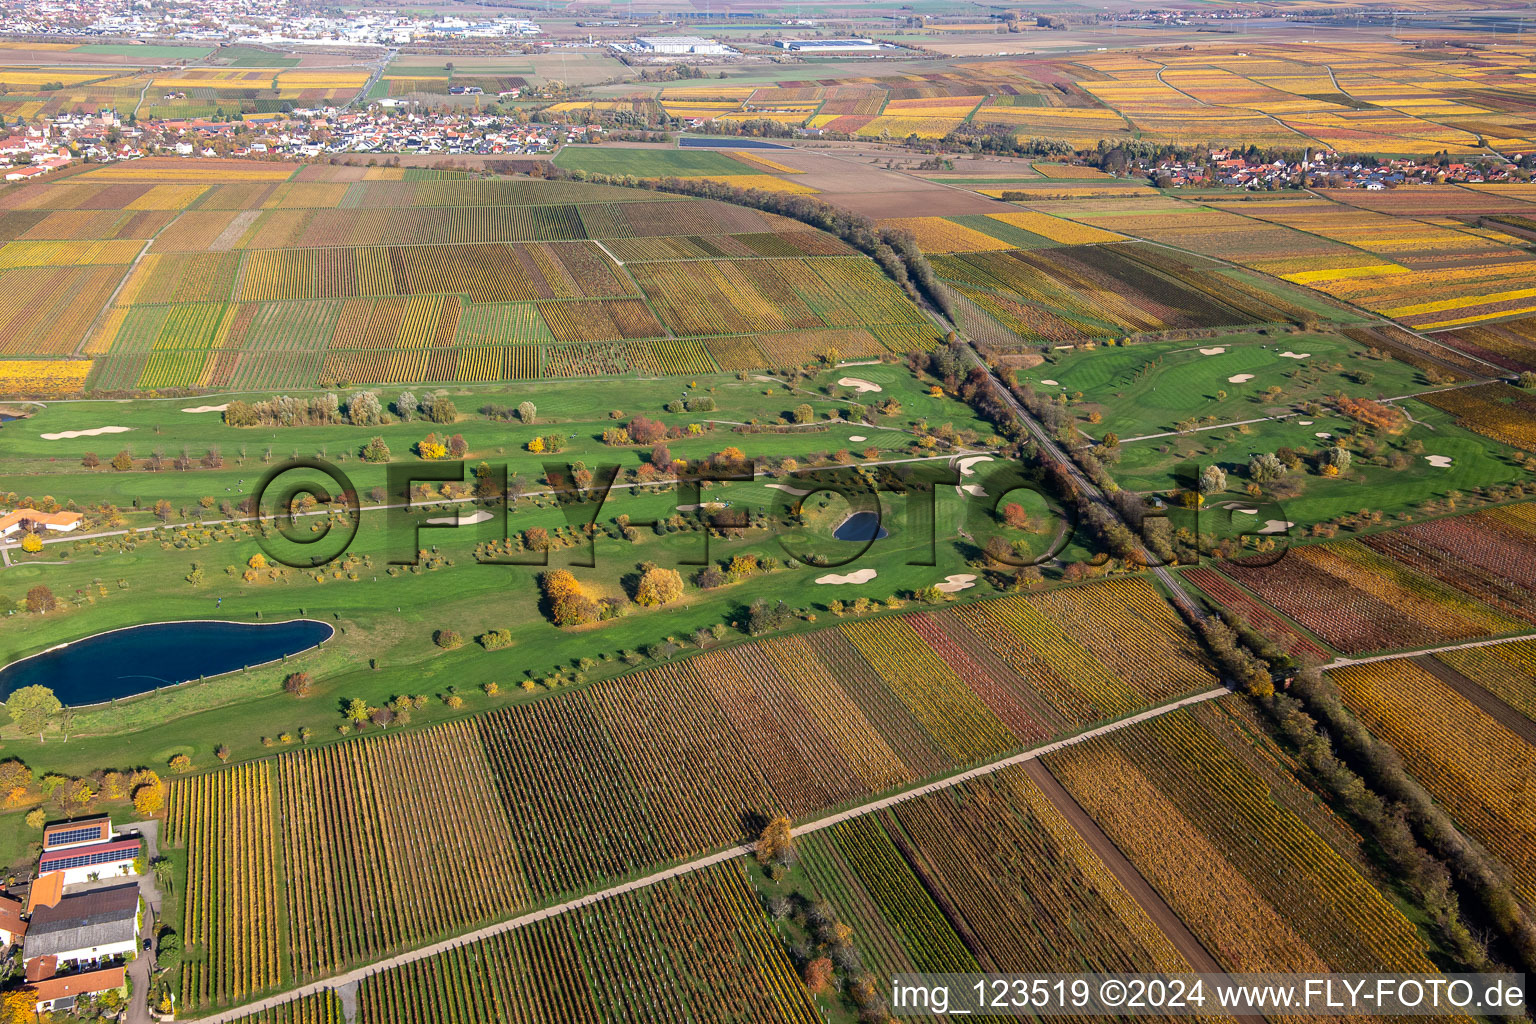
(55, 795)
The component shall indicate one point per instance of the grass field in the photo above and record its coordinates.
(647, 163)
(1150, 388)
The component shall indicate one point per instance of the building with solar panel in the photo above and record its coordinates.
(87, 850)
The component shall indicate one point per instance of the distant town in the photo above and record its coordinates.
(389, 128)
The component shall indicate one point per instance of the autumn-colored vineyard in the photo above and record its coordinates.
(1264, 879)
(1506, 670)
(1484, 774)
(1104, 291)
(212, 277)
(1418, 586)
(671, 762)
(232, 912)
(974, 862)
(697, 948)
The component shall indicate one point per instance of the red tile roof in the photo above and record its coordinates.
(78, 984)
(46, 891)
(10, 916)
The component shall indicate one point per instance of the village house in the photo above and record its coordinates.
(12, 927)
(87, 851)
(62, 992)
(87, 929)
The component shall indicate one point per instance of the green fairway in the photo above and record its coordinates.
(648, 163)
(386, 615)
(1150, 388)
(1475, 461)
(574, 408)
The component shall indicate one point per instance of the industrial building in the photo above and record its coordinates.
(681, 46)
(830, 45)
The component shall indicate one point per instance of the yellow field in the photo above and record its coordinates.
(762, 182)
(18, 80)
(935, 234)
(1056, 228)
(43, 377)
(752, 159)
(901, 127)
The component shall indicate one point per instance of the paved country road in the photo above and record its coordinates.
(352, 977)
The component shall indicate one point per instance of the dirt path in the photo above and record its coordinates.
(1500, 712)
(358, 974)
(1124, 871)
(1140, 890)
(1343, 662)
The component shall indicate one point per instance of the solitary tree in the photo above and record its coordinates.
(149, 795)
(526, 411)
(40, 600)
(804, 413)
(659, 586)
(299, 684)
(33, 708)
(818, 974)
(357, 710)
(776, 844)
(1266, 467)
(375, 450)
(1213, 480)
(1015, 516)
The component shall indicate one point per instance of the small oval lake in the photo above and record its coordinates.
(861, 526)
(140, 659)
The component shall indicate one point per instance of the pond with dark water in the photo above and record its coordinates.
(861, 526)
(141, 659)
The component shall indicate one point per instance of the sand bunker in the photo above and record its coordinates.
(966, 464)
(207, 408)
(1276, 526)
(857, 576)
(858, 384)
(1324, 435)
(974, 490)
(65, 435)
(956, 583)
(1304, 423)
(1294, 355)
(1240, 378)
(797, 491)
(1050, 383)
(1438, 461)
(857, 437)
(461, 520)
(1218, 350)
